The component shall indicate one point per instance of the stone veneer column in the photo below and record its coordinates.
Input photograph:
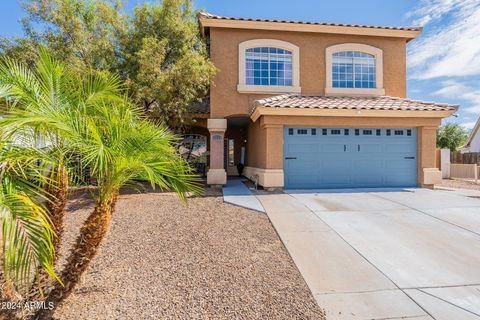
(216, 174)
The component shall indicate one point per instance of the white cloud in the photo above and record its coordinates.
(451, 48)
(457, 90)
(468, 125)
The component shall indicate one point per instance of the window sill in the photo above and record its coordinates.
(244, 88)
(354, 92)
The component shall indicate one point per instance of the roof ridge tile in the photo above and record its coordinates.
(208, 15)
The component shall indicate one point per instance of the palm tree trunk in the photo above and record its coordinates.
(56, 207)
(7, 294)
(58, 192)
(85, 250)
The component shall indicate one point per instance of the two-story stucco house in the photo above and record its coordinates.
(316, 105)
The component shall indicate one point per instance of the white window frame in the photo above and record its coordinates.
(376, 52)
(243, 87)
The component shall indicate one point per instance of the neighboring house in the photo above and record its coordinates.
(473, 142)
(315, 105)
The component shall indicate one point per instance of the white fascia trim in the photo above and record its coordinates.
(245, 88)
(271, 43)
(354, 92)
(378, 53)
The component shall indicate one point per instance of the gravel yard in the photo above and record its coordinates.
(459, 184)
(207, 260)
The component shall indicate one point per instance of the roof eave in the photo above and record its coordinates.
(323, 112)
(306, 27)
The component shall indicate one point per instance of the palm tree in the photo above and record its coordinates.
(121, 148)
(27, 234)
(39, 105)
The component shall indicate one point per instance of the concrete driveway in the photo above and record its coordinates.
(398, 254)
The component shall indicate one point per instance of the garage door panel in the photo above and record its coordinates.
(367, 179)
(399, 147)
(363, 158)
(338, 147)
(337, 166)
(400, 164)
(333, 156)
(370, 165)
(336, 179)
(303, 181)
(303, 148)
(371, 148)
(302, 165)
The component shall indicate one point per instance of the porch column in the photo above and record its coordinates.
(216, 174)
(428, 173)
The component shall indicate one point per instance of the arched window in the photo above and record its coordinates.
(353, 69)
(268, 65)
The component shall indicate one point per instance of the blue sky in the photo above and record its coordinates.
(444, 62)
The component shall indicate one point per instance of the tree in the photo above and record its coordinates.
(158, 51)
(121, 149)
(451, 136)
(41, 103)
(91, 118)
(165, 60)
(80, 33)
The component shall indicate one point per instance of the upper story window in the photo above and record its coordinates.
(353, 69)
(268, 67)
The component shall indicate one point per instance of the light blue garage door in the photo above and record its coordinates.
(349, 157)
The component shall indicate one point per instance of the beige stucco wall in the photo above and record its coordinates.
(265, 137)
(256, 149)
(226, 101)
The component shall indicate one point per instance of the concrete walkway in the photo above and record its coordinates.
(411, 254)
(236, 192)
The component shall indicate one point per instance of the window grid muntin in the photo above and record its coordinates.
(353, 69)
(268, 66)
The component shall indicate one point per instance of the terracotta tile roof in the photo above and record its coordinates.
(206, 15)
(361, 103)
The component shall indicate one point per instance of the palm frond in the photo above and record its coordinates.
(27, 233)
